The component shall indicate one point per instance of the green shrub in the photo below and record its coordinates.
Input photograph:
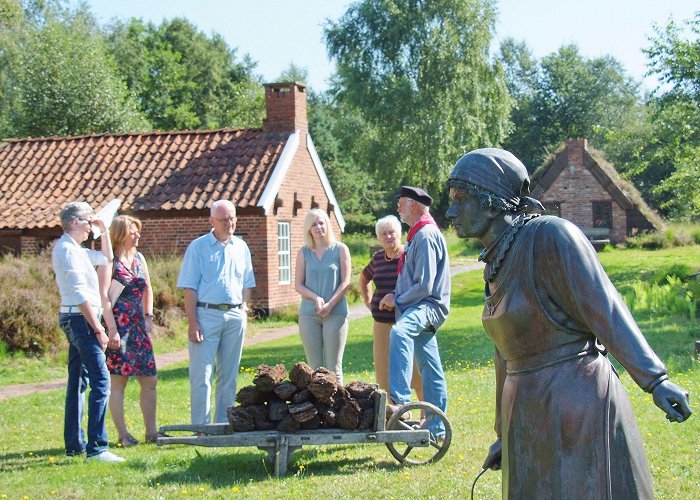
(649, 241)
(673, 298)
(29, 305)
(676, 235)
(164, 271)
(677, 270)
(29, 302)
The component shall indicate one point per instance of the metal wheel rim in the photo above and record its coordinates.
(395, 423)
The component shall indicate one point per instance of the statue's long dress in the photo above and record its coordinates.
(566, 423)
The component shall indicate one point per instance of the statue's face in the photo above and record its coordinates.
(468, 218)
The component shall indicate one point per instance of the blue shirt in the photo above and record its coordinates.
(74, 266)
(425, 277)
(217, 271)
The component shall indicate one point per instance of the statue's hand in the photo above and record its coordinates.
(493, 459)
(673, 400)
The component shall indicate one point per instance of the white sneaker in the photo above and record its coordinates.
(105, 456)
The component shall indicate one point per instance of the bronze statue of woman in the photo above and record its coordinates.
(564, 424)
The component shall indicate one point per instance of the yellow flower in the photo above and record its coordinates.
(235, 489)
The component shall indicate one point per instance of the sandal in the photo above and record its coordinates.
(128, 440)
(153, 438)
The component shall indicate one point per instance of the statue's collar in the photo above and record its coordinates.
(493, 256)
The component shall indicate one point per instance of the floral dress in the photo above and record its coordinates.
(138, 358)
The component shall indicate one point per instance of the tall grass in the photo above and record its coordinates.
(675, 235)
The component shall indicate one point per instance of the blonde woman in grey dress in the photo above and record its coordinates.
(322, 277)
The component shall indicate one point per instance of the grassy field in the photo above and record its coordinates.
(32, 464)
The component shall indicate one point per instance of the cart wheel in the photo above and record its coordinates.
(419, 455)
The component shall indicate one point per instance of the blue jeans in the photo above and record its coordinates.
(413, 335)
(86, 366)
(224, 332)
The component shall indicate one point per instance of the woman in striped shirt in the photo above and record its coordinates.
(383, 271)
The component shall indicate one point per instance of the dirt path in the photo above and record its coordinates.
(162, 360)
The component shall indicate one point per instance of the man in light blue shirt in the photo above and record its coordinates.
(217, 277)
(79, 317)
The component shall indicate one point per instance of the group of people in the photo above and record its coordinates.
(563, 420)
(410, 302)
(104, 358)
(108, 332)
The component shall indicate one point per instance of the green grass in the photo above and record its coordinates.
(31, 450)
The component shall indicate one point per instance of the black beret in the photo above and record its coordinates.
(415, 194)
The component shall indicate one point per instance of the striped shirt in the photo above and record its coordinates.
(384, 273)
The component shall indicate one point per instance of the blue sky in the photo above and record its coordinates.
(276, 33)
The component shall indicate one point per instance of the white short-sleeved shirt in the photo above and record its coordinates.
(76, 277)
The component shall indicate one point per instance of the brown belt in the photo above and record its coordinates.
(551, 357)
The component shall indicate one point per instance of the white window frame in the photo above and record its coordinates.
(284, 253)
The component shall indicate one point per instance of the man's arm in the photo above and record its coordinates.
(423, 269)
(91, 318)
(193, 331)
(246, 299)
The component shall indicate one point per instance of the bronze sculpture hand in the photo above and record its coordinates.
(673, 400)
(493, 459)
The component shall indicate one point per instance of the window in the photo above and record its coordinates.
(602, 214)
(284, 253)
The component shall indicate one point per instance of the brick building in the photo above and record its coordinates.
(170, 179)
(580, 186)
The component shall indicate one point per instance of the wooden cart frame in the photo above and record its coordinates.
(405, 437)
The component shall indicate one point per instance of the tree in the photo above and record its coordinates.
(184, 79)
(63, 82)
(334, 131)
(419, 74)
(669, 161)
(568, 96)
(294, 73)
(12, 22)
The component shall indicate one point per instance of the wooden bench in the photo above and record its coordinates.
(598, 236)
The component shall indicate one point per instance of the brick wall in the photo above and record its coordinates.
(576, 189)
(296, 200)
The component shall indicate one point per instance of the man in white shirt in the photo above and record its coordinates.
(79, 317)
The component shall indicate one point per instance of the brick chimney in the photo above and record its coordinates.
(574, 151)
(285, 105)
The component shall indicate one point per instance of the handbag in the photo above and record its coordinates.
(115, 290)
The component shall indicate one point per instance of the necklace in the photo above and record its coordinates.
(389, 258)
(494, 255)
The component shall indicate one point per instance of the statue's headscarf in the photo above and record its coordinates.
(499, 172)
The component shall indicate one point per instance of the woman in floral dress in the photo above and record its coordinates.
(133, 313)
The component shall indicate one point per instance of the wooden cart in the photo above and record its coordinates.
(407, 441)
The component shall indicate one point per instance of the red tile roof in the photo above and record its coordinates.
(155, 171)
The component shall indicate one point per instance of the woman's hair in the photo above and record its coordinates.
(74, 210)
(388, 221)
(313, 213)
(119, 230)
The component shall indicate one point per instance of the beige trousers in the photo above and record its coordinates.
(382, 331)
